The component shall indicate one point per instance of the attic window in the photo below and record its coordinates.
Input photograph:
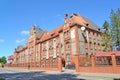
(87, 24)
(52, 34)
(98, 29)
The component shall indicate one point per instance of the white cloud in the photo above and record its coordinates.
(1, 40)
(24, 32)
(58, 15)
(19, 41)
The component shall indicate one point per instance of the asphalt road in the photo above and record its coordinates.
(13, 74)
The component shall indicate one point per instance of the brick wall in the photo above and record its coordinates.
(49, 64)
(114, 68)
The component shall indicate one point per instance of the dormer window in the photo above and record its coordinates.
(98, 29)
(52, 34)
(68, 32)
(87, 24)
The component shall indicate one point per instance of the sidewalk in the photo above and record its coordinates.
(73, 72)
(102, 76)
(98, 75)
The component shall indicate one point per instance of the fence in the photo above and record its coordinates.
(98, 64)
(109, 63)
(53, 64)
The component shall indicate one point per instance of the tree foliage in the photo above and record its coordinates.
(115, 24)
(111, 32)
(106, 37)
(3, 60)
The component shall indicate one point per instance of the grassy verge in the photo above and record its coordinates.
(92, 76)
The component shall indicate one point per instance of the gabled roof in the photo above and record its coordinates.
(51, 34)
(19, 48)
(91, 24)
(38, 32)
(74, 19)
(81, 20)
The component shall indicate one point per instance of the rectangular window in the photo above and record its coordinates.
(67, 45)
(68, 58)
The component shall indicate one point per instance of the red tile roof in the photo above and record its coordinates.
(54, 32)
(10, 57)
(117, 53)
(75, 18)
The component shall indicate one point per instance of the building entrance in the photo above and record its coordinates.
(67, 63)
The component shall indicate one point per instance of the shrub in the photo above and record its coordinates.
(2, 78)
(117, 79)
(2, 65)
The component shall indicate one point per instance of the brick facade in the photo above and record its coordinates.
(10, 59)
(61, 46)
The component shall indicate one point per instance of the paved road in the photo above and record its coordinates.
(12, 74)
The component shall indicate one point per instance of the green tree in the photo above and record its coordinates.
(3, 60)
(115, 25)
(0, 60)
(111, 32)
(106, 37)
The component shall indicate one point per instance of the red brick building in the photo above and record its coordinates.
(59, 47)
(10, 59)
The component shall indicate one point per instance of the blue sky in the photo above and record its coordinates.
(17, 16)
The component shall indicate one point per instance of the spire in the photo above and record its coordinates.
(66, 18)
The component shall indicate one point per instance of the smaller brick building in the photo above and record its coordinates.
(10, 59)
